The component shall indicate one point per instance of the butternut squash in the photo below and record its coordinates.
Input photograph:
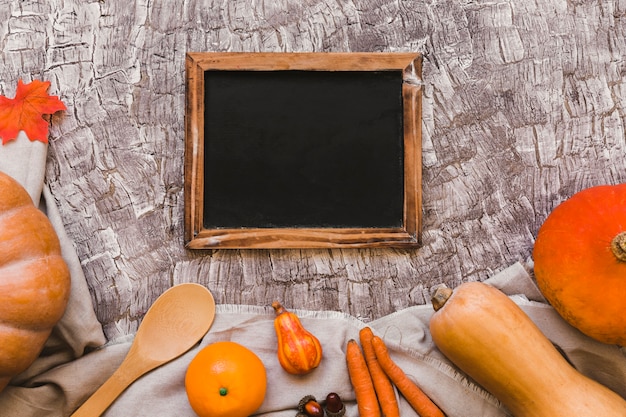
(493, 340)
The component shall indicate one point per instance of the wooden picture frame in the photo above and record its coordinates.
(201, 70)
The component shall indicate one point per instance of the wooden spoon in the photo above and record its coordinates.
(176, 321)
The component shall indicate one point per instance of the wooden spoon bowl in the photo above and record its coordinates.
(176, 321)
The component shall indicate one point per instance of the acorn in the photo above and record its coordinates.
(309, 407)
(334, 406)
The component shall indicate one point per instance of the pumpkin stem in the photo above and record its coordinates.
(440, 297)
(618, 245)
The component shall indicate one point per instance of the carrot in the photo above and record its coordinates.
(384, 389)
(361, 380)
(411, 392)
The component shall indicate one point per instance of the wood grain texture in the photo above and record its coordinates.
(524, 104)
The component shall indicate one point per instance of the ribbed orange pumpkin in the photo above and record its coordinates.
(34, 280)
(580, 262)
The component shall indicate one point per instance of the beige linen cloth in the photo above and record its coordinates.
(77, 360)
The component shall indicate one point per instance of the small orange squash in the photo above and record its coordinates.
(493, 340)
(34, 280)
(299, 351)
(580, 262)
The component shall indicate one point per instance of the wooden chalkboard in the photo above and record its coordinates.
(302, 150)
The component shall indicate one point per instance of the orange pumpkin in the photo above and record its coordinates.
(580, 262)
(34, 280)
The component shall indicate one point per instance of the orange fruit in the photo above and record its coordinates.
(225, 379)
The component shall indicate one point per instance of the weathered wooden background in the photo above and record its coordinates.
(524, 104)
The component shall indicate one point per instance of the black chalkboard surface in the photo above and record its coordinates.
(267, 166)
(302, 150)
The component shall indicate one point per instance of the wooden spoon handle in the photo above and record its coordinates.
(104, 396)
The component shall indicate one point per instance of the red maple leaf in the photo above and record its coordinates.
(25, 111)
